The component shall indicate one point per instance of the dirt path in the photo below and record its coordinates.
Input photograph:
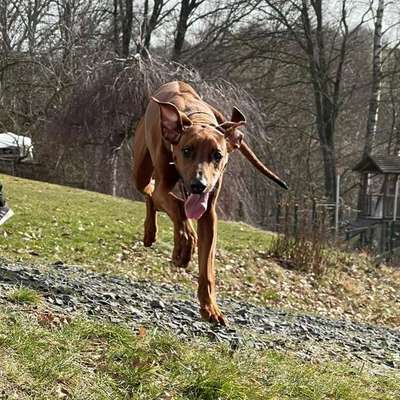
(70, 289)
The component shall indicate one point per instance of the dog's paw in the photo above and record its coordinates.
(184, 248)
(149, 237)
(150, 230)
(181, 257)
(211, 313)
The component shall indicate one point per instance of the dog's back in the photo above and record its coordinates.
(185, 98)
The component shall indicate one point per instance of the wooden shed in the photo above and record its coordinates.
(378, 222)
(380, 176)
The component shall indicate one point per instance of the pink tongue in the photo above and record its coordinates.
(196, 205)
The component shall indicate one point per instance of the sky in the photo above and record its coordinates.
(362, 8)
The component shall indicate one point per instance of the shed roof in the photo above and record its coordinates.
(381, 164)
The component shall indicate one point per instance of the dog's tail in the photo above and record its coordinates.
(248, 153)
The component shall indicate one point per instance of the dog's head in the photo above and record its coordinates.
(200, 151)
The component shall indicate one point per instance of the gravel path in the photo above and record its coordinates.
(68, 289)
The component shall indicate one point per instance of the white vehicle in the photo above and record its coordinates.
(13, 146)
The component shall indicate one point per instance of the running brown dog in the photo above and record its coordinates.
(182, 138)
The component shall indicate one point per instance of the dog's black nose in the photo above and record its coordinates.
(197, 186)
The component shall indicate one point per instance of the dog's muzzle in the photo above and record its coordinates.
(198, 186)
(196, 202)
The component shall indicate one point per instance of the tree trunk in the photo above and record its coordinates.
(149, 24)
(5, 37)
(326, 109)
(127, 22)
(326, 132)
(373, 108)
(66, 27)
(155, 15)
(329, 159)
(117, 47)
(187, 6)
(375, 95)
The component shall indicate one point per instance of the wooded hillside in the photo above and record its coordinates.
(318, 82)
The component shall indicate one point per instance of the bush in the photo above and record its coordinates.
(303, 237)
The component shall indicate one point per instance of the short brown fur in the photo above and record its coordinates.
(181, 137)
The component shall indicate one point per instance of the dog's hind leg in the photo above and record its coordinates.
(142, 175)
(184, 236)
(145, 184)
(150, 223)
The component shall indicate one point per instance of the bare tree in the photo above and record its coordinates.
(122, 26)
(373, 109)
(9, 26)
(326, 54)
(127, 21)
(188, 7)
(19, 24)
(290, 56)
(150, 22)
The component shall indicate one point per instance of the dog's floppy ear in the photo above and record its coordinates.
(233, 136)
(172, 121)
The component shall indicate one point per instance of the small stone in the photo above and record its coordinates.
(242, 312)
(304, 327)
(110, 295)
(58, 263)
(59, 302)
(189, 312)
(269, 325)
(392, 364)
(157, 304)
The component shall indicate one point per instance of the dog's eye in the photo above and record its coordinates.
(187, 152)
(217, 156)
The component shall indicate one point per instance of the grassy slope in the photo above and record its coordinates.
(44, 356)
(60, 223)
(57, 223)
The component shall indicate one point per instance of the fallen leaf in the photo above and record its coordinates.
(142, 331)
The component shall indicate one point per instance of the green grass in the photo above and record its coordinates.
(56, 223)
(45, 356)
(24, 295)
(88, 360)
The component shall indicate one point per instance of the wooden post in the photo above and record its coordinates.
(391, 239)
(396, 197)
(278, 218)
(296, 220)
(337, 205)
(286, 228)
(314, 211)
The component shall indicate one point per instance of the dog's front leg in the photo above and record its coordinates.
(207, 238)
(184, 236)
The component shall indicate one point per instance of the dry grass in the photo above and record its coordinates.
(352, 287)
